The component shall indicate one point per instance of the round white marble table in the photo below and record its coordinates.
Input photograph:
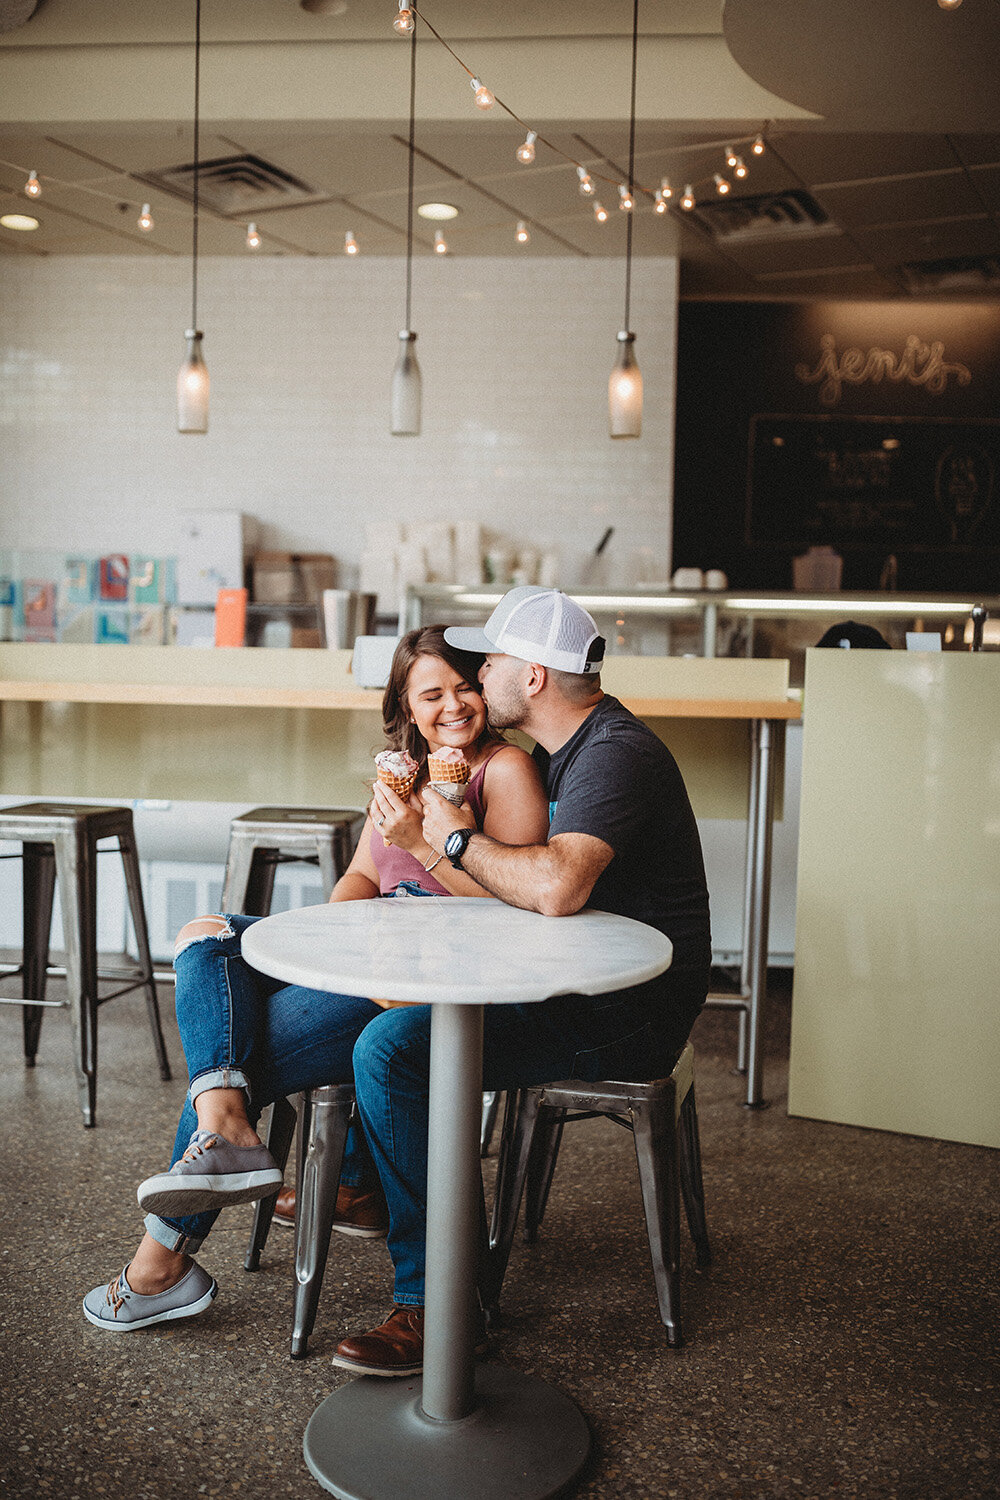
(460, 1430)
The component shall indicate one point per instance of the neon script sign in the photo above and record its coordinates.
(919, 364)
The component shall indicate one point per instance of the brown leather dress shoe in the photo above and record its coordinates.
(396, 1347)
(284, 1208)
(360, 1212)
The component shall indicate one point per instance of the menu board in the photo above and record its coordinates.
(894, 483)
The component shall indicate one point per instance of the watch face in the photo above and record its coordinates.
(455, 843)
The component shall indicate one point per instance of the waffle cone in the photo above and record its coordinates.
(439, 771)
(401, 785)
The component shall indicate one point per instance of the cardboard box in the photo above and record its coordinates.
(292, 577)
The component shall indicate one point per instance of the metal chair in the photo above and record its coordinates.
(59, 842)
(664, 1123)
(266, 837)
(324, 1115)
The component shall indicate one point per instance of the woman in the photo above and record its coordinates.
(249, 1040)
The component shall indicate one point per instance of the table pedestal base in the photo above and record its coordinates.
(524, 1440)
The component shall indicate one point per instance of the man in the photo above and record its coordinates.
(623, 839)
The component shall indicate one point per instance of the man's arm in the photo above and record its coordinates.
(555, 879)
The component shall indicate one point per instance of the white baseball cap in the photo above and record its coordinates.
(537, 624)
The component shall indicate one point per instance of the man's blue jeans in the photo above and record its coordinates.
(630, 1034)
(240, 1029)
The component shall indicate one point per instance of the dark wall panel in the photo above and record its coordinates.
(873, 428)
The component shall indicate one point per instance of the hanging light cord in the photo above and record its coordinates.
(631, 164)
(194, 219)
(409, 185)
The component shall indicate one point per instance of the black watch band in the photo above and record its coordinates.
(456, 844)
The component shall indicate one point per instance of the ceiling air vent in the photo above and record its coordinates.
(768, 216)
(234, 186)
(965, 273)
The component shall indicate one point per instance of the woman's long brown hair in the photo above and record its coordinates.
(428, 640)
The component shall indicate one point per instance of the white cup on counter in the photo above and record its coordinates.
(715, 579)
(688, 579)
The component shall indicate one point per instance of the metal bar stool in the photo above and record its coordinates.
(266, 837)
(324, 1115)
(664, 1122)
(59, 842)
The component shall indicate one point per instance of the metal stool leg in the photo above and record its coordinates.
(520, 1119)
(541, 1166)
(488, 1123)
(280, 1130)
(237, 876)
(133, 882)
(327, 864)
(38, 878)
(77, 876)
(655, 1139)
(324, 1118)
(692, 1185)
(260, 884)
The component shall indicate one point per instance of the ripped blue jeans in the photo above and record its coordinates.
(240, 1029)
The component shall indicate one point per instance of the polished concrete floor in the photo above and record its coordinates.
(844, 1342)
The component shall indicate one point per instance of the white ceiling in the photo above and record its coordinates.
(886, 200)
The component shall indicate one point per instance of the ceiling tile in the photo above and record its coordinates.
(894, 245)
(819, 157)
(911, 200)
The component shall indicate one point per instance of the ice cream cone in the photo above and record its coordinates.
(449, 774)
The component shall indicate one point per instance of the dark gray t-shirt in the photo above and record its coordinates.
(615, 780)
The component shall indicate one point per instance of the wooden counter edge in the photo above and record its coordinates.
(229, 696)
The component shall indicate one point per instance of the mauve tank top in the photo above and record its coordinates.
(397, 865)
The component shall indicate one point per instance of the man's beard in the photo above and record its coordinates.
(509, 710)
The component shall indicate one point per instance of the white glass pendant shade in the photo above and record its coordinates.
(192, 387)
(625, 391)
(405, 399)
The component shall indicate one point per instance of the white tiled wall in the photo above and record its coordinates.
(515, 358)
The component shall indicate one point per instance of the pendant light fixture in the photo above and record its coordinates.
(192, 378)
(625, 384)
(405, 398)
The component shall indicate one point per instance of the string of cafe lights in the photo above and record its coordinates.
(485, 99)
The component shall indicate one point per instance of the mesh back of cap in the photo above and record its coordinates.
(554, 624)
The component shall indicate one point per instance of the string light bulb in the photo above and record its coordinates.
(625, 200)
(485, 98)
(253, 238)
(600, 212)
(33, 187)
(659, 202)
(949, 4)
(665, 187)
(440, 243)
(403, 23)
(721, 185)
(687, 201)
(526, 152)
(350, 243)
(586, 185)
(521, 233)
(145, 219)
(758, 146)
(740, 167)
(625, 391)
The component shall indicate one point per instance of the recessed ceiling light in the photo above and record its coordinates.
(437, 211)
(18, 221)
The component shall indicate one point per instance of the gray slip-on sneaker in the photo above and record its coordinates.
(119, 1309)
(212, 1173)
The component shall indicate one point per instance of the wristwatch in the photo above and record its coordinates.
(456, 844)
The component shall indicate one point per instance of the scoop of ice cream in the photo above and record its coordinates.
(398, 763)
(448, 753)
